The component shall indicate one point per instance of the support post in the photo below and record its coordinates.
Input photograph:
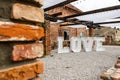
(91, 32)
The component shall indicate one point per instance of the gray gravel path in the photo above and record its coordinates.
(79, 66)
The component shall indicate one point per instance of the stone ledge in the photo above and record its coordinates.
(23, 72)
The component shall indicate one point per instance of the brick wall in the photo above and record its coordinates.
(82, 30)
(56, 31)
(20, 30)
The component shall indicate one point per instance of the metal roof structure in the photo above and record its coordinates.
(97, 12)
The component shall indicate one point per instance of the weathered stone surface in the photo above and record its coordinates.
(23, 72)
(27, 51)
(19, 32)
(27, 13)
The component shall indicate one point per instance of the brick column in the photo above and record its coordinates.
(91, 32)
(47, 38)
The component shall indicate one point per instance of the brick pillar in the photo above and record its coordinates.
(91, 32)
(47, 38)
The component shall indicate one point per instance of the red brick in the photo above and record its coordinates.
(23, 72)
(27, 13)
(27, 51)
(19, 32)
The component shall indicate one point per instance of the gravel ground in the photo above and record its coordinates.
(79, 66)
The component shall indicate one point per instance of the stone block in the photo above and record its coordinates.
(27, 51)
(23, 72)
(20, 32)
(27, 13)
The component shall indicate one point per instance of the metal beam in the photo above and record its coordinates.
(108, 22)
(59, 5)
(77, 23)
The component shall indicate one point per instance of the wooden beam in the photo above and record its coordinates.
(93, 11)
(59, 5)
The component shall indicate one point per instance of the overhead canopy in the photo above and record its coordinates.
(95, 11)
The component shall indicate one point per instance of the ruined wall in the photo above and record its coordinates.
(56, 31)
